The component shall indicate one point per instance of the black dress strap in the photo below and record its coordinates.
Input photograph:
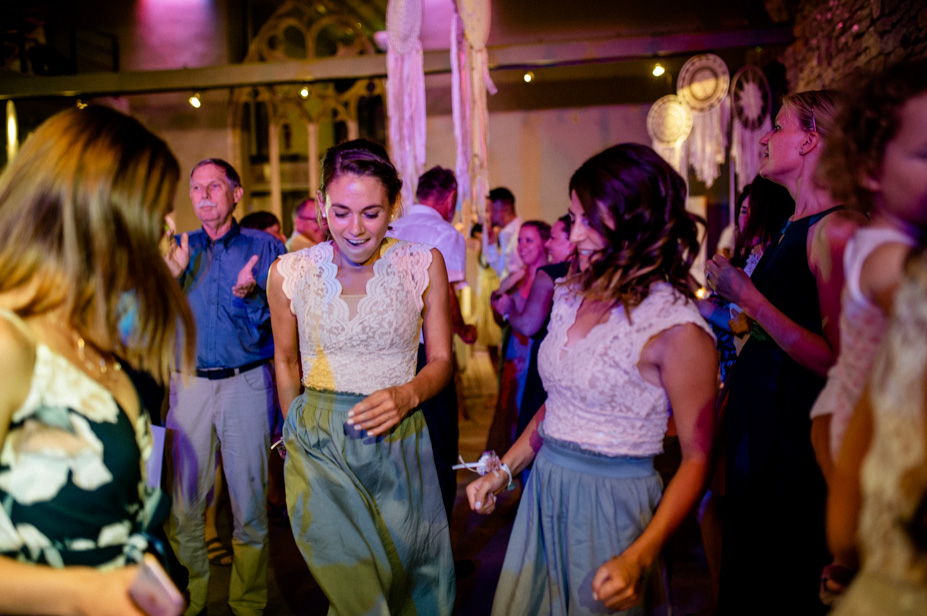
(814, 218)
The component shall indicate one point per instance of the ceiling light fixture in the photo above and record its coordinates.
(304, 92)
(529, 77)
(658, 70)
(195, 100)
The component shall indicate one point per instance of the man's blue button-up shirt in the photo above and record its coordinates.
(231, 331)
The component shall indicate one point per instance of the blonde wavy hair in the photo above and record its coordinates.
(82, 209)
(636, 202)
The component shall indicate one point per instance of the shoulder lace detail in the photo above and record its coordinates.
(295, 268)
(596, 394)
(377, 347)
(892, 477)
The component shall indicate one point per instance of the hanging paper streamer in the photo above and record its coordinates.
(405, 89)
(460, 105)
(703, 85)
(669, 122)
(751, 102)
(474, 15)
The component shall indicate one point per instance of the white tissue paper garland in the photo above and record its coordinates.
(669, 123)
(703, 84)
(405, 89)
(751, 103)
(474, 15)
(460, 99)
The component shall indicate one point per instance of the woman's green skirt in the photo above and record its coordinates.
(366, 511)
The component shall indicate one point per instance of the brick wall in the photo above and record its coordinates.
(835, 38)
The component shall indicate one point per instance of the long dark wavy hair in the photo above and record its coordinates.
(637, 202)
(770, 206)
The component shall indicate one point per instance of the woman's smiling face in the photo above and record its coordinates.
(358, 211)
(587, 240)
(559, 246)
(531, 246)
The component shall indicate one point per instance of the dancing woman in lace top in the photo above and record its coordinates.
(625, 344)
(361, 485)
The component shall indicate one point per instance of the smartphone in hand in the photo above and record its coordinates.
(153, 591)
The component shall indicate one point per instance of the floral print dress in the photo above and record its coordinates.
(72, 478)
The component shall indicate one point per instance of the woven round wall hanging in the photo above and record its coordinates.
(703, 82)
(669, 120)
(751, 103)
(750, 96)
(669, 123)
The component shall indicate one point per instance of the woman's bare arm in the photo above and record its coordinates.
(286, 340)
(685, 360)
(529, 320)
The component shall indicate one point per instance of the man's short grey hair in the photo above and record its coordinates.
(231, 175)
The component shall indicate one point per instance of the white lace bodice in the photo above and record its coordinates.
(892, 477)
(377, 347)
(596, 396)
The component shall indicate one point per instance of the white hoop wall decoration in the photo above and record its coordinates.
(669, 123)
(703, 84)
(751, 103)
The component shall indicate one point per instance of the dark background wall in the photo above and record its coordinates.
(835, 39)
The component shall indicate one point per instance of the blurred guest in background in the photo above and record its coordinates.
(82, 207)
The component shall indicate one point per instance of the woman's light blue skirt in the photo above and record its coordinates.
(578, 510)
(366, 511)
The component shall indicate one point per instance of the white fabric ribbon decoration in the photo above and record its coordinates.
(405, 90)
(473, 113)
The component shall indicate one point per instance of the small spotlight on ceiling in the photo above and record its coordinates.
(529, 77)
(195, 101)
(658, 70)
(304, 92)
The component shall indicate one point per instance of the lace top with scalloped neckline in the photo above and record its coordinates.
(596, 396)
(374, 348)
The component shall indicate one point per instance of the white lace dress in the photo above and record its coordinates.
(593, 488)
(893, 478)
(366, 511)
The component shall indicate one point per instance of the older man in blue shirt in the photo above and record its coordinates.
(229, 404)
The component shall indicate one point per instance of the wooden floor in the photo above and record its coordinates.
(479, 542)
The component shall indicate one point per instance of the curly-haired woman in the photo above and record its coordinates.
(625, 344)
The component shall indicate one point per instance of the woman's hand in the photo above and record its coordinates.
(106, 593)
(177, 256)
(728, 281)
(617, 583)
(482, 492)
(502, 303)
(382, 409)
